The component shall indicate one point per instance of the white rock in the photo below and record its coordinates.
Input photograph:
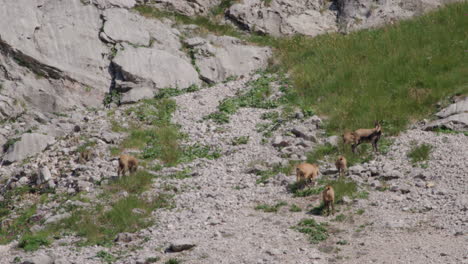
(161, 68)
(28, 145)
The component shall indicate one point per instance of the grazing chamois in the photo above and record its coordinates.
(127, 163)
(307, 172)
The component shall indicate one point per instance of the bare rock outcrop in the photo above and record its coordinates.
(219, 58)
(59, 37)
(314, 17)
(28, 145)
(189, 8)
(160, 67)
(454, 117)
(285, 17)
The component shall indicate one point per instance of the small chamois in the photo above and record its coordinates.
(307, 172)
(348, 138)
(367, 135)
(127, 163)
(86, 156)
(329, 199)
(341, 165)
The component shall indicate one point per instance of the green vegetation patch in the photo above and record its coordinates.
(256, 97)
(266, 175)
(205, 23)
(316, 232)
(242, 140)
(271, 208)
(32, 242)
(106, 256)
(419, 153)
(294, 208)
(100, 225)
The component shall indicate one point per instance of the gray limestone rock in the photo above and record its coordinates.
(28, 145)
(225, 57)
(159, 67)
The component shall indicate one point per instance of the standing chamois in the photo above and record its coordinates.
(361, 135)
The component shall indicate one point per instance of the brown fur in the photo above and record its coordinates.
(341, 165)
(329, 199)
(348, 138)
(85, 156)
(308, 172)
(127, 163)
(371, 135)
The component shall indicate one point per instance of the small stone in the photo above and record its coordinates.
(39, 259)
(23, 181)
(124, 237)
(346, 200)
(180, 245)
(299, 115)
(333, 140)
(430, 184)
(257, 168)
(278, 141)
(44, 175)
(273, 252)
(56, 218)
(356, 169)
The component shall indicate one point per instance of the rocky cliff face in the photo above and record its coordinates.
(61, 54)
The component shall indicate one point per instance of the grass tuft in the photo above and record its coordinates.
(316, 232)
(32, 242)
(419, 153)
(271, 208)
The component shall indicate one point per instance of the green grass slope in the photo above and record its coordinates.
(396, 73)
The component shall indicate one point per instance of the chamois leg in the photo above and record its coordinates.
(374, 144)
(354, 146)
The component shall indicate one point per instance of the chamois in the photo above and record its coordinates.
(341, 165)
(329, 199)
(127, 163)
(308, 172)
(367, 135)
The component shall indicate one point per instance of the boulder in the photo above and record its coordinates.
(114, 3)
(136, 95)
(279, 141)
(224, 57)
(285, 17)
(124, 237)
(28, 145)
(457, 122)
(180, 245)
(50, 40)
(155, 66)
(39, 259)
(333, 140)
(56, 218)
(189, 8)
(9, 108)
(453, 109)
(122, 25)
(44, 175)
(360, 14)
